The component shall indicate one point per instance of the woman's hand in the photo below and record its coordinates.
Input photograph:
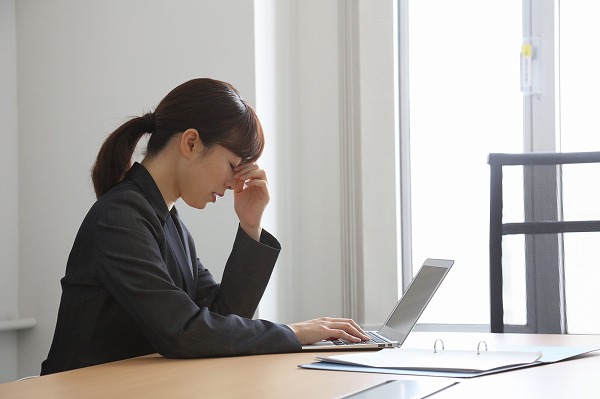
(311, 331)
(250, 197)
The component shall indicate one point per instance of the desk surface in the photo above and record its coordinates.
(277, 376)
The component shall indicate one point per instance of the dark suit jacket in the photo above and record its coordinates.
(133, 286)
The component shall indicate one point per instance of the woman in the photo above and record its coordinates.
(133, 284)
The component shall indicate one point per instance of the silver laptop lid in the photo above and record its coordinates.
(420, 291)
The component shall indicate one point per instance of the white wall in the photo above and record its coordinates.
(274, 23)
(84, 67)
(379, 156)
(298, 99)
(9, 228)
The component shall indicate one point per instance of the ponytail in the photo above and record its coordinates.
(114, 157)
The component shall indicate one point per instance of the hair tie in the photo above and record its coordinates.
(148, 122)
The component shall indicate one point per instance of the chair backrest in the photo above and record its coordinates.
(543, 229)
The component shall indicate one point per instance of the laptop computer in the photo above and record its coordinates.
(405, 314)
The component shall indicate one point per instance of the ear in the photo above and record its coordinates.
(190, 143)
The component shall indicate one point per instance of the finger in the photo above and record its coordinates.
(349, 321)
(260, 186)
(243, 168)
(350, 328)
(251, 173)
(256, 183)
(342, 320)
(258, 180)
(358, 328)
(239, 186)
(341, 334)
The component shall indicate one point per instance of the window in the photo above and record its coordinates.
(463, 100)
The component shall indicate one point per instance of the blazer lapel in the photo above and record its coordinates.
(181, 253)
(172, 225)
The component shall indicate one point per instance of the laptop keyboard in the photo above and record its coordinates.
(375, 339)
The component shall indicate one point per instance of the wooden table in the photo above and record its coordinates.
(277, 376)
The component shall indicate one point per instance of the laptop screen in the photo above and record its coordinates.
(415, 299)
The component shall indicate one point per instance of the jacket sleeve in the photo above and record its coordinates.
(135, 264)
(245, 277)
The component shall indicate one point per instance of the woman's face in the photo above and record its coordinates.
(209, 175)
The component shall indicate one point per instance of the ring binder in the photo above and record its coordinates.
(479, 344)
(435, 344)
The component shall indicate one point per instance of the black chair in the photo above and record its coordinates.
(543, 228)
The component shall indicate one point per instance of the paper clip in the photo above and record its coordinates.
(435, 345)
(479, 345)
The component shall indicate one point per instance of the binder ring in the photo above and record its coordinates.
(435, 345)
(479, 345)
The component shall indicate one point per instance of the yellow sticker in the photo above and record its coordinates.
(526, 50)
